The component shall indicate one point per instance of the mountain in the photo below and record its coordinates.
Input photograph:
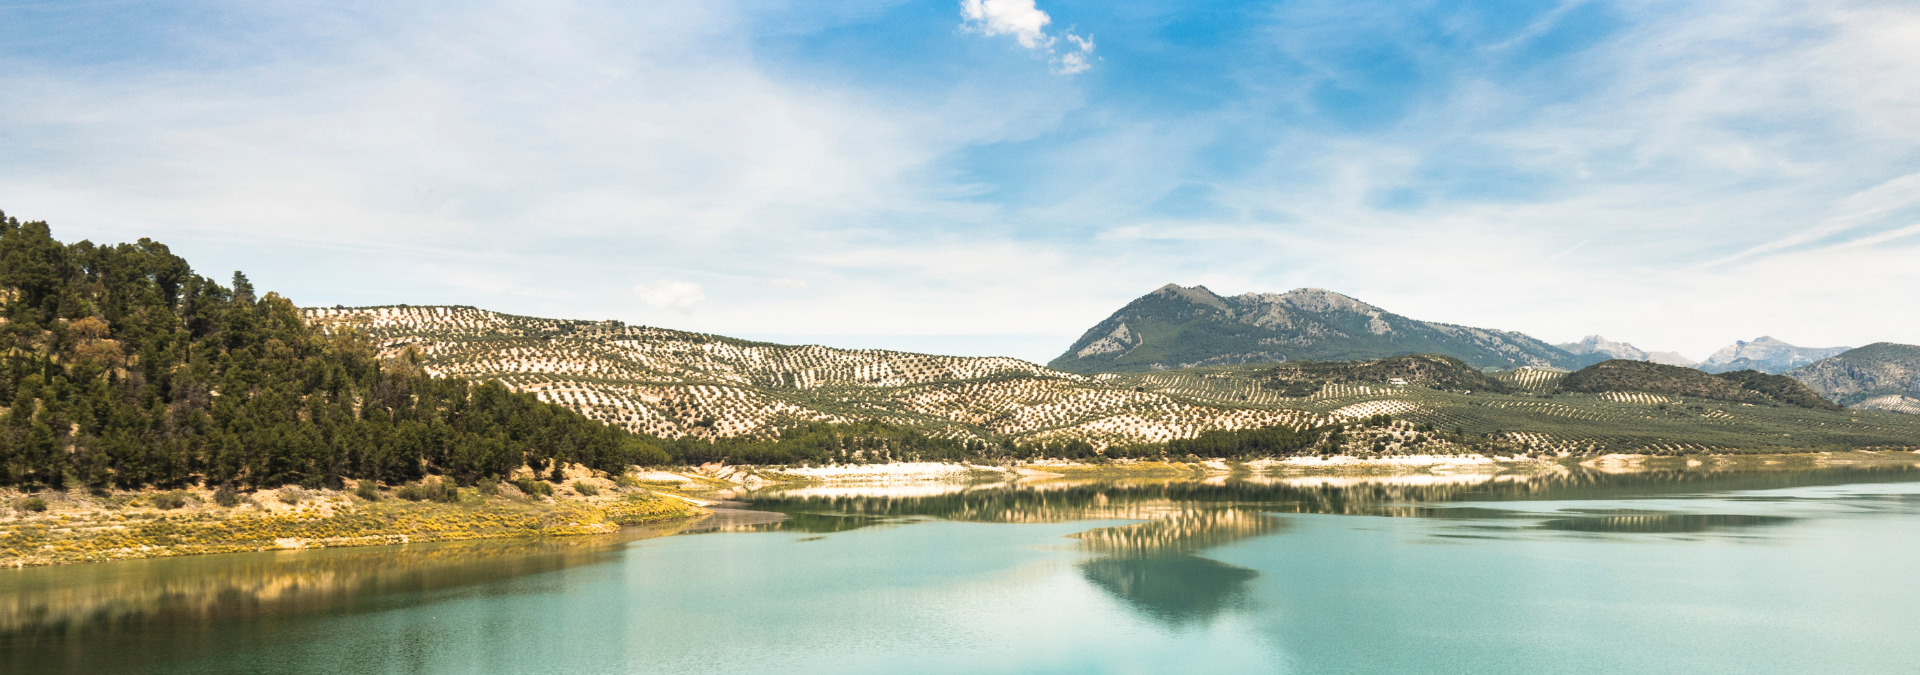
(1766, 355)
(1594, 349)
(1745, 386)
(1181, 327)
(1879, 376)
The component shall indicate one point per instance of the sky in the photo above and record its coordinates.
(996, 176)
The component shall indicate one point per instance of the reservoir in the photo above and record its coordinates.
(1583, 572)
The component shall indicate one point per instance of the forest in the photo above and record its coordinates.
(125, 369)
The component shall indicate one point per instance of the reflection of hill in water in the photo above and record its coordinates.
(178, 593)
(1176, 589)
(1179, 533)
(1660, 523)
(1065, 501)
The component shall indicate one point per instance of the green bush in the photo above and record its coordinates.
(170, 500)
(488, 487)
(33, 505)
(626, 481)
(226, 496)
(291, 495)
(533, 487)
(585, 488)
(367, 489)
(442, 490)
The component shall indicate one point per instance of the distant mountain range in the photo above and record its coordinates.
(1879, 376)
(1595, 349)
(1766, 355)
(1184, 327)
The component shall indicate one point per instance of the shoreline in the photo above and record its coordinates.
(84, 527)
(79, 527)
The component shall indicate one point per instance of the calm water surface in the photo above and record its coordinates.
(1772, 572)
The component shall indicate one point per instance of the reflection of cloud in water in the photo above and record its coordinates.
(1174, 589)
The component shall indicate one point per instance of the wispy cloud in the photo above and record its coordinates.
(664, 294)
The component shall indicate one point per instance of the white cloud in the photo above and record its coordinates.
(1019, 18)
(1075, 61)
(1027, 24)
(789, 284)
(664, 294)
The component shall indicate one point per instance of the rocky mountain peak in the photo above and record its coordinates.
(1594, 344)
(1199, 295)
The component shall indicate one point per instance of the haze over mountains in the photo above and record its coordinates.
(1766, 355)
(1595, 349)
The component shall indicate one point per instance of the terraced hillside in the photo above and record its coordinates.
(673, 383)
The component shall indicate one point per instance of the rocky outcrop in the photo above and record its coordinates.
(1879, 376)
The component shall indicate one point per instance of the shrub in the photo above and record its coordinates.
(585, 488)
(533, 487)
(626, 481)
(367, 489)
(292, 495)
(226, 496)
(170, 500)
(443, 491)
(33, 505)
(488, 486)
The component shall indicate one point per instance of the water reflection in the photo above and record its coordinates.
(1157, 568)
(62, 605)
(1176, 590)
(1152, 567)
(1660, 523)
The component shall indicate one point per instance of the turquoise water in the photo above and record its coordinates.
(1737, 573)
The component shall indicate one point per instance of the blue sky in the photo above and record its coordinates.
(995, 176)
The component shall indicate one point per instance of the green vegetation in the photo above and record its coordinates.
(430, 490)
(1746, 386)
(125, 369)
(1432, 371)
(533, 487)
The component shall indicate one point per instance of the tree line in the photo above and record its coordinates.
(124, 369)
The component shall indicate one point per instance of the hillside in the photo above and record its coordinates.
(1879, 376)
(125, 369)
(670, 383)
(1765, 354)
(673, 383)
(1746, 386)
(1180, 327)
